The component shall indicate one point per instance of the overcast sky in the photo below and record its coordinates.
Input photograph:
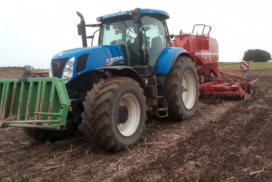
(33, 31)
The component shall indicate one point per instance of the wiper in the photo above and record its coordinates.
(126, 26)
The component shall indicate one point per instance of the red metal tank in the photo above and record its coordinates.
(213, 82)
(204, 51)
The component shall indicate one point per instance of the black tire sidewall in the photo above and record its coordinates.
(126, 88)
(188, 66)
(177, 109)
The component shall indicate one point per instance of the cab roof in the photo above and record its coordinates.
(160, 13)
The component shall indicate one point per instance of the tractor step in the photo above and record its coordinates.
(162, 112)
(162, 109)
(156, 99)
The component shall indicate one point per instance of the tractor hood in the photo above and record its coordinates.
(87, 59)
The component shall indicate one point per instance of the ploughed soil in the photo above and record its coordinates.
(227, 141)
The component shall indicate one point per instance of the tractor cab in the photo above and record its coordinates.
(142, 33)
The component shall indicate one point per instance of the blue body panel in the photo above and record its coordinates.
(98, 57)
(167, 57)
(143, 11)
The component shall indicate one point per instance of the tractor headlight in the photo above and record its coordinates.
(68, 70)
(50, 71)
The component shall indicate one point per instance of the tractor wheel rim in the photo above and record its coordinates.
(189, 83)
(129, 127)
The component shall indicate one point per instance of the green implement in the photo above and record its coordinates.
(33, 103)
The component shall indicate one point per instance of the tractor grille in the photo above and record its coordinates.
(57, 67)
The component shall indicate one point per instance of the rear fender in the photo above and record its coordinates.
(166, 60)
(168, 57)
(124, 71)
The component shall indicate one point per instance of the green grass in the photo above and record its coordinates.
(252, 65)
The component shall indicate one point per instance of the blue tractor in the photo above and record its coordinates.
(112, 86)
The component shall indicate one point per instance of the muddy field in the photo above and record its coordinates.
(228, 141)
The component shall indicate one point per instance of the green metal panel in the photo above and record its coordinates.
(35, 102)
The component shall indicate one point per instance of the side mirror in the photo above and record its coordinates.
(136, 15)
(172, 36)
(79, 29)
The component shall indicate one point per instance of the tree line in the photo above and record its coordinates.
(256, 55)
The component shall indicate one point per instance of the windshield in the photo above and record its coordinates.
(122, 33)
(117, 31)
(125, 33)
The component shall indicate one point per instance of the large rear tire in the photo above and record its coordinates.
(182, 89)
(114, 114)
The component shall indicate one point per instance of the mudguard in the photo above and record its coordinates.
(124, 71)
(168, 58)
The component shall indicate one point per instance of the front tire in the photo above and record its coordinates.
(182, 89)
(114, 114)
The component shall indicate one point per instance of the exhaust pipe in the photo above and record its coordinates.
(82, 29)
